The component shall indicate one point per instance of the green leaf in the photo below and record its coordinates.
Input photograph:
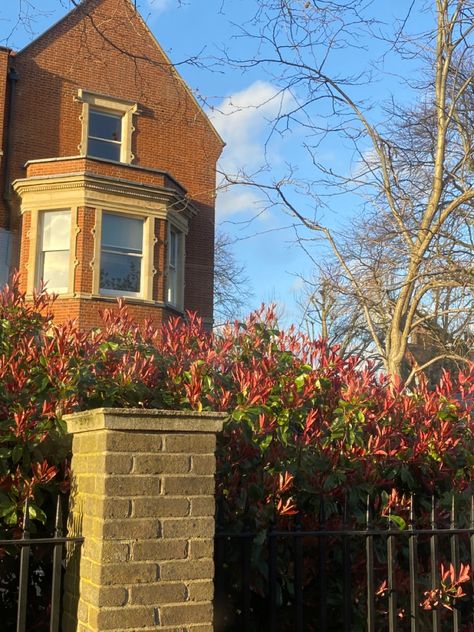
(36, 513)
(265, 442)
(300, 380)
(17, 453)
(398, 522)
(7, 504)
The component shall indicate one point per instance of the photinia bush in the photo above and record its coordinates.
(303, 422)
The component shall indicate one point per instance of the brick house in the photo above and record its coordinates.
(107, 170)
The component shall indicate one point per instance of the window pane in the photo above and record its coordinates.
(103, 149)
(172, 298)
(173, 249)
(120, 272)
(55, 271)
(56, 230)
(175, 273)
(106, 126)
(122, 233)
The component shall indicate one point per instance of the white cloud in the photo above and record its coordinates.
(297, 285)
(242, 120)
(159, 6)
(236, 199)
(363, 165)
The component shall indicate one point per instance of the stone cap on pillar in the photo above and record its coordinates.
(145, 420)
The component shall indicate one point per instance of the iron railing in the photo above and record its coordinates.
(348, 579)
(23, 582)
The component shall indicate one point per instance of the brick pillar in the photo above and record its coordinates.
(142, 496)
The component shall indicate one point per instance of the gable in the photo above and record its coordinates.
(110, 37)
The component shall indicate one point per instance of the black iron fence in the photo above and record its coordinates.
(31, 574)
(371, 579)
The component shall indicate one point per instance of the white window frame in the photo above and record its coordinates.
(39, 257)
(111, 292)
(176, 301)
(108, 105)
(109, 141)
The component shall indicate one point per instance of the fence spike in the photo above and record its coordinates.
(471, 542)
(453, 516)
(454, 559)
(434, 558)
(369, 558)
(391, 562)
(57, 562)
(23, 575)
(433, 512)
(322, 571)
(272, 576)
(298, 575)
(26, 520)
(413, 567)
(58, 530)
(345, 514)
(322, 513)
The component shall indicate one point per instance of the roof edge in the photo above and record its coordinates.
(53, 26)
(183, 82)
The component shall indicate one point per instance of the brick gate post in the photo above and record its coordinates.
(142, 496)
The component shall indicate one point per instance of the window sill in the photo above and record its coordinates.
(121, 294)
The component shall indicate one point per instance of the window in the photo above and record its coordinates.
(107, 127)
(105, 135)
(175, 267)
(54, 245)
(121, 255)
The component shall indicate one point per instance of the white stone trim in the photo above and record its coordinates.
(85, 189)
(111, 105)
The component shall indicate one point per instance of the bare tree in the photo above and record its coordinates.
(406, 261)
(328, 309)
(232, 289)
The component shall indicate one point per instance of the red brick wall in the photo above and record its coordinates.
(99, 167)
(159, 260)
(84, 254)
(172, 134)
(87, 311)
(4, 58)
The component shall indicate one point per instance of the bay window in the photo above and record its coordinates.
(121, 255)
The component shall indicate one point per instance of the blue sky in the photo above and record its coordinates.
(267, 245)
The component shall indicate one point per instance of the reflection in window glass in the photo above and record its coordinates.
(105, 135)
(55, 239)
(174, 256)
(121, 254)
(102, 149)
(105, 125)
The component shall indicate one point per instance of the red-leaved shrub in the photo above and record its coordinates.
(303, 422)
